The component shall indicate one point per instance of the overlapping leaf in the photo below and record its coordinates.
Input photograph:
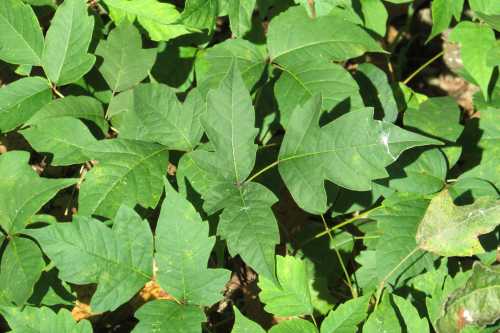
(200, 14)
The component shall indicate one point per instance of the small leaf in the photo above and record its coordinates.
(294, 326)
(21, 40)
(125, 62)
(200, 14)
(383, 319)
(412, 320)
(477, 303)
(65, 58)
(240, 16)
(22, 192)
(449, 230)
(442, 13)
(292, 296)
(244, 325)
(119, 260)
(351, 151)
(20, 100)
(347, 316)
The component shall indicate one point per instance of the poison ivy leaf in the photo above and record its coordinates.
(442, 13)
(83, 107)
(128, 172)
(65, 58)
(240, 16)
(366, 275)
(125, 62)
(119, 260)
(67, 138)
(294, 37)
(182, 251)
(152, 112)
(397, 255)
(477, 303)
(347, 316)
(294, 326)
(168, 317)
(174, 66)
(466, 191)
(450, 230)
(244, 325)
(20, 100)
(376, 91)
(383, 319)
(21, 41)
(200, 14)
(489, 146)
(22, 192)
(22, 264)
(357, 146)
(214, 64)
(43, 320)
(158, 18)
(300, 81)
(412, 320)
(475, 41)
(292, 296)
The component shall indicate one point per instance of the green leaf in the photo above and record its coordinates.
(159, 19)
(119, 260)
(302, 80)
(22, 192)
(240, 16)
(489, 148)
(128, 172)
(20, 100)
(292, 296)
(375, 16)
(466, 191)
(383, 319)
(488, 11)
(214, 64)
(412, 320)
(442, 13)
(294, 326)
(200, 14)
(346, 317)
(125, 62)
(43, 320)
(475, 41)
(65, 58)
(477, 303)
(182, 251)
(168, 317)
(66, 138)
(83, 107)
(449, 230)
(21, 41)
(244, 325)
(152, 112)
(351, 151)
(294, 37)
(22, 264)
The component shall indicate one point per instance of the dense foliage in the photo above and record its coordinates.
(249, 166)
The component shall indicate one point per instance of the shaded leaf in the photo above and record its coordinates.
(347, 316)
(412, 320)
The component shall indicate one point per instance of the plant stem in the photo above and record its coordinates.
(354, 293)
(258, 173)
(421, 68)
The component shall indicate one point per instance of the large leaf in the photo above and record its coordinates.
(347, 316)
(152, 112)
(168, 317)
(22, 192)
(450, 230)
(240, 16)
(213, 65)
(351, 151)
(477, 303)
(294, 37)
(43, 320)
(65, 58)
(302, 80)
(119, 260)
(21, 40)
(182, 251)
(22, 264)
(20, 100)
(158, 18)
(475, 41)
(291, 297)
(128, 172)
(125, 62)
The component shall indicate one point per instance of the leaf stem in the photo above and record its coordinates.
(421, 68)
(260, 172)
